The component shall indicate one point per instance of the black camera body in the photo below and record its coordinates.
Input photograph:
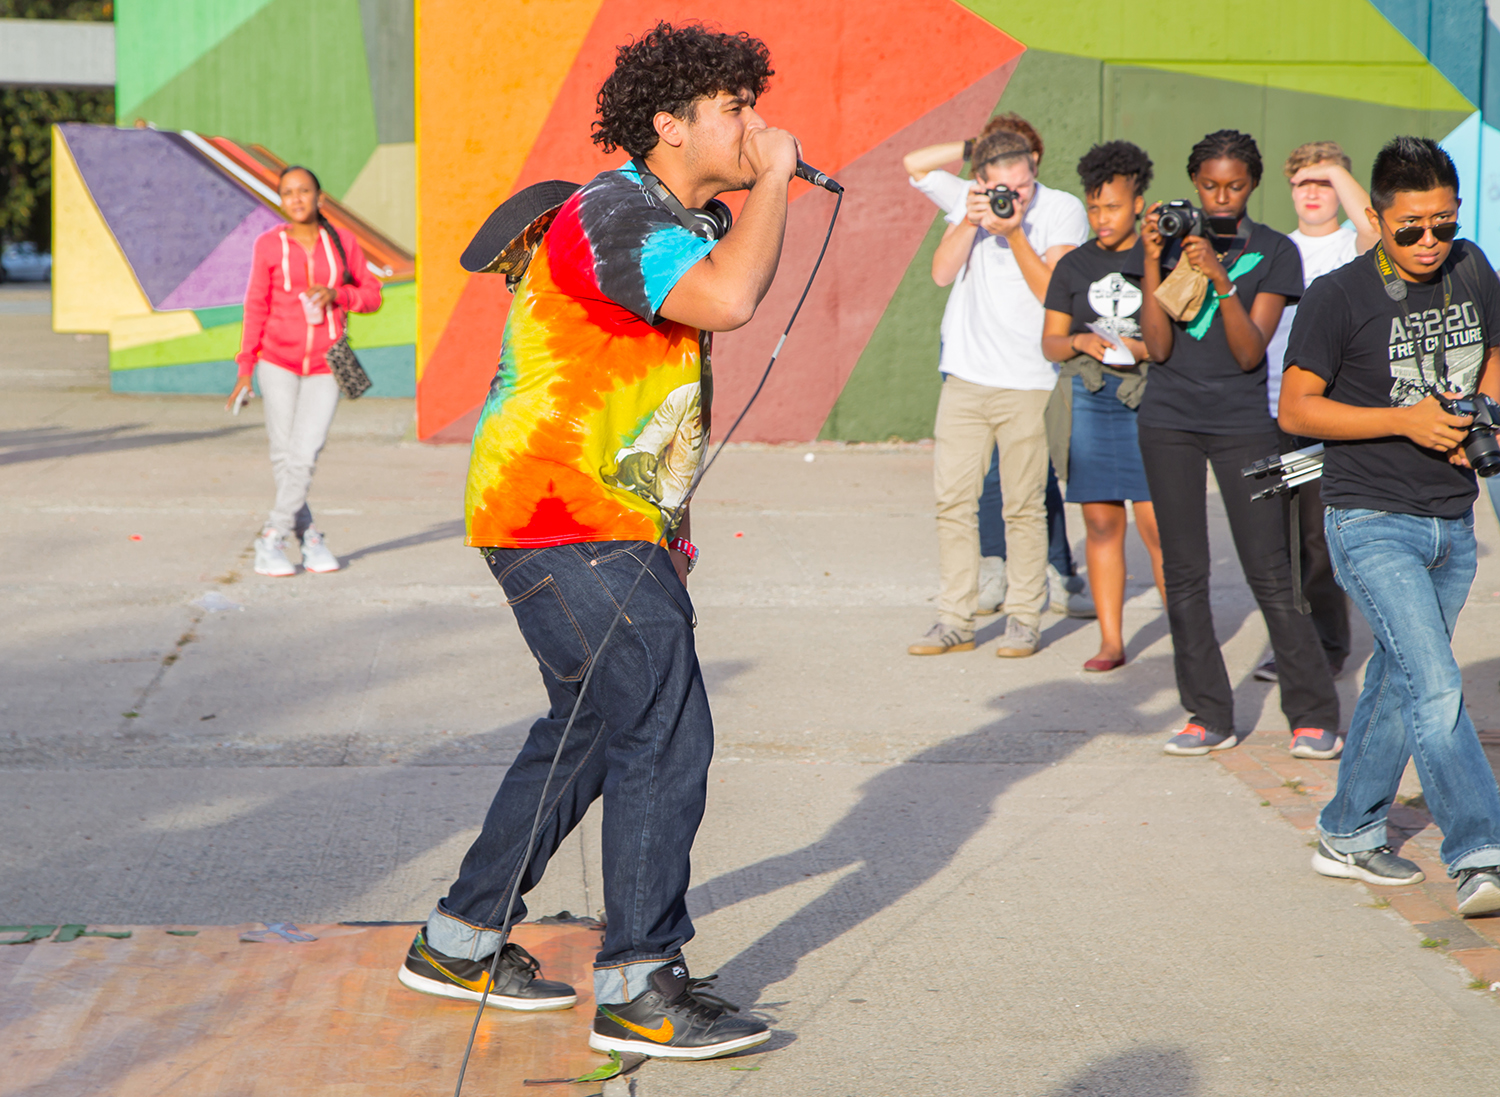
(1002, 201)
(1480, 445)
(1178, 219)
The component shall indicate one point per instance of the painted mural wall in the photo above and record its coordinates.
(861, 85)
(328, 85)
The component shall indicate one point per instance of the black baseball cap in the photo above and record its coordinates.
(509, 223)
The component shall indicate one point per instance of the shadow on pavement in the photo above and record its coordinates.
(442, 531)
(49, 446)
(1141, 1072)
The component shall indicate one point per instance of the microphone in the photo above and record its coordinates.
(817, 178)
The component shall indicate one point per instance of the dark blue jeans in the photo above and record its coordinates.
(642, 741)
(992, 521)
(1410, 576)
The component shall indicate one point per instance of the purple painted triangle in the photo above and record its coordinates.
(222, 276)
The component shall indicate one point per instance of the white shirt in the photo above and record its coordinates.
(1320, 254)
(992, 325)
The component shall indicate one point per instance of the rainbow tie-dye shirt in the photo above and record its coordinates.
(597, 417)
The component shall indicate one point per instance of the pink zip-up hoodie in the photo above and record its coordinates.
(276, 328)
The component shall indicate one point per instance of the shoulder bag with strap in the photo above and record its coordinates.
(342, 363)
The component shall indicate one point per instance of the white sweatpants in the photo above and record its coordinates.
(298, 413)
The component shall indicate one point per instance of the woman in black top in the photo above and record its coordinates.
(1206, 404)
(1092, 291)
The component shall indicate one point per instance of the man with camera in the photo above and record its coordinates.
(603, 347)
(1387, 360)
(998, 256)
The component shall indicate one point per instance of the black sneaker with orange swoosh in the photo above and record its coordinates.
(675, 1019)
(517, 985)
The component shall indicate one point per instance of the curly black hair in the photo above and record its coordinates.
(1226, 143)
(670, 69)
(1103, 162)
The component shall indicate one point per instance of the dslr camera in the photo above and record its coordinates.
(1480, 446)
(1178, 219)
(1002, 201)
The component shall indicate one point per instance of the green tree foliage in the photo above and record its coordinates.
(26, 118)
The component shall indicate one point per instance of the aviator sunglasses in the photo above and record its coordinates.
(1408, 235)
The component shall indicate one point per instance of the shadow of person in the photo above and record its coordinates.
(1139, 1072)
(910, 821)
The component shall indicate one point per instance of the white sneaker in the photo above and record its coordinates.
(1068, 595)
(270, 554)
(316, 555)
(991, 585)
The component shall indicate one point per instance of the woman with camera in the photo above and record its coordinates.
(1092, 328)
(305, 278)
(1206, 404)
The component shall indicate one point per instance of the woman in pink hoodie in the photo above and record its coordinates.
(305, 278)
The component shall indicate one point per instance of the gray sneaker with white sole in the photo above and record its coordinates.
(1372, 866)
(1478, 890)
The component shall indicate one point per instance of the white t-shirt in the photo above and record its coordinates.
(992, 325)
(1320, 254)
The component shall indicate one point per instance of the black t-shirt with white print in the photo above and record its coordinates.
(1096, 286)
(1350, 333)
(1200, 387)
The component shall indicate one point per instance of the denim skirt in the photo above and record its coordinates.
(1104, 453)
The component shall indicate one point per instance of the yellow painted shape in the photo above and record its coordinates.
(486, 76)
(92, 284)
(136, 331)
(394, 325)
(385, 192)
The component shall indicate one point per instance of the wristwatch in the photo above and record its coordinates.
(687, 548)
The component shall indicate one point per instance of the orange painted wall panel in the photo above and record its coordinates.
(850, 76)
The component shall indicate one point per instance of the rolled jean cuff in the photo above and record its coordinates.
(454, 937)
(616, 984)
(1361, 841)
(1483, 857)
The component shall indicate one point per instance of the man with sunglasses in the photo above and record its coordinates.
(1373, 345)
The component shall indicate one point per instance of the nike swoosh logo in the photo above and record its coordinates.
(476, 985)
(660, 1034)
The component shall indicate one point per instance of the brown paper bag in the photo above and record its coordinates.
(1182, 292)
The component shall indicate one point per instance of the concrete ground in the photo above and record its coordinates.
(956, 875)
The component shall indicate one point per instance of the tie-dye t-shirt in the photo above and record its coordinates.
(597, 417)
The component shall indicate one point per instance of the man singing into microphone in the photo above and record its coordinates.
(582, 460)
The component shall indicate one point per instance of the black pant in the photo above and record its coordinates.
(1176, 472)
(1329, 604)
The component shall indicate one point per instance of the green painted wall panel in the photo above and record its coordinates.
(395, 323)
(1074, 102)
(1353, 44)
(390, 55)
(1166, 113)
(392, 373)
(157, 39)
(292, 77)
(212, 343)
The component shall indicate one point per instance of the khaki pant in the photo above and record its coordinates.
(971, 419)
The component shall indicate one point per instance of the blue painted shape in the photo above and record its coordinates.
(1475, 148)
(392, 370)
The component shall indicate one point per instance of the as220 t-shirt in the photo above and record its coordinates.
(1353, 336)
(597, 417)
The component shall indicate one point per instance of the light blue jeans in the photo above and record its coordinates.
(1410, 576)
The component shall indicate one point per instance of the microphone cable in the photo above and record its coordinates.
(676, 517)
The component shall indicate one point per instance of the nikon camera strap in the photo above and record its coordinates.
(1396, 290)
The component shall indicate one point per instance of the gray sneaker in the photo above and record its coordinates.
(270, 554)
(1019, 640)
(940, 639)
(1478, 890)
(316, 555)
(991, 585)
(1069, 595)
(1373, 866)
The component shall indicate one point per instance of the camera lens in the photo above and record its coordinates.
(1170, 223)
(1001, 204)
(1483, 453)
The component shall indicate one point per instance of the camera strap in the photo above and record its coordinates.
(1396, 290)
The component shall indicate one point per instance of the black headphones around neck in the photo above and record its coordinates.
(712, 222)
